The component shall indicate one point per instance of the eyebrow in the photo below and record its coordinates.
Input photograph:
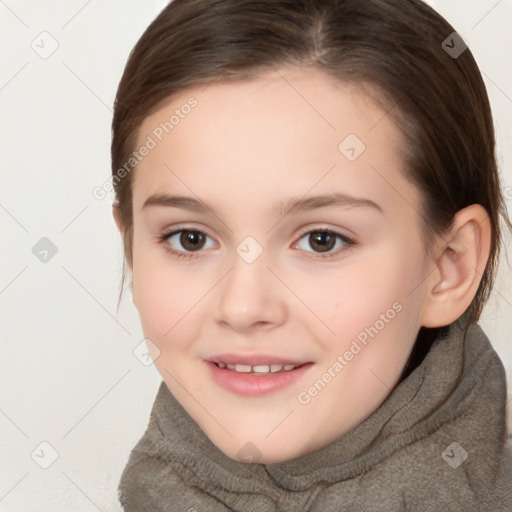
(293, 205)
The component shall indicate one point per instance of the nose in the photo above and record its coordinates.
(250, 296)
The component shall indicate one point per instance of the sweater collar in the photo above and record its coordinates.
(436, 392)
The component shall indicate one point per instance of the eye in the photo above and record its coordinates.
(324, 241)
(192, 240)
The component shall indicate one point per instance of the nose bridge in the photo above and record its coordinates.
(248, 275)
(249, 250)
(247, 295)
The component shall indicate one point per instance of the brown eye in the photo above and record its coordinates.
(323, 241)
(192, 240)
(185, 242)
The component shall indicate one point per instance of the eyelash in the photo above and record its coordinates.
(164, 237)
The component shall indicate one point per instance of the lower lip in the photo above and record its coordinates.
(248, 384)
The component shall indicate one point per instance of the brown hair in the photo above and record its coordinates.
(437, 99)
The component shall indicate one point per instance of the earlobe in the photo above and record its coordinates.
(131, 292)
(460, 267)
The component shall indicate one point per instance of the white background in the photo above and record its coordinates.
(68, 374)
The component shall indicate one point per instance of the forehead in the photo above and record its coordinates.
(294, 129)
(308, 95)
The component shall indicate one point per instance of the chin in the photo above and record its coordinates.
(256, 452)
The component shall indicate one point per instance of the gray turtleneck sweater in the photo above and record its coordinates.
(437, 443)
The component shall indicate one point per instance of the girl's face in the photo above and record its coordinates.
(309, 253)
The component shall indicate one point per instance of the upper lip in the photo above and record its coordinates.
(253, 360)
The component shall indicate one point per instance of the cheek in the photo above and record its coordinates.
(356, 296)
(371, 301)
(165, 297)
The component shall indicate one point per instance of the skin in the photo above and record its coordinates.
(245, 148)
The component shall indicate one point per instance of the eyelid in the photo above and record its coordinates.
(325, 227)
(342, 232)
(182, 227)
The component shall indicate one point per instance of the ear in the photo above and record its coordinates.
(116, 213)
(459, 267)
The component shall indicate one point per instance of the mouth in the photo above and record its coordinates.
(257, 375)
(260, 369)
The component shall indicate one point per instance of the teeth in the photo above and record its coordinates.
(263, 368)
(242, 368)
